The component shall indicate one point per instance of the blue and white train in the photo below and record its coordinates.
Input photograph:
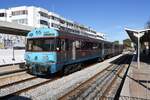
(49, 51)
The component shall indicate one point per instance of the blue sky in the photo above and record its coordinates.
(108, 16)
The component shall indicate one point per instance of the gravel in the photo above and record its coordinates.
(14, 78)
(14, 88)
(56, 89)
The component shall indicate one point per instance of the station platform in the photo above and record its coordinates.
(6, 57)
(137, 82)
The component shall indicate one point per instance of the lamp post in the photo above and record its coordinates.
(138, 35)
(13, 59)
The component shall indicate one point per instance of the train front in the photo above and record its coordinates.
(40, 53)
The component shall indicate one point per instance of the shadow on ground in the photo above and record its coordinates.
(15, 97)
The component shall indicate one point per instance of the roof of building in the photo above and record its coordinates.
(144, 38)
(14, 29)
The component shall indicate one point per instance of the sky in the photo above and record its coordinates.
(107, 16)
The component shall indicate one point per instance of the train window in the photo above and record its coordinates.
(86, 46)
(40, 44)
(107, 45)
(100, 45)
(29, 45)
(83, 45)
(63, 45)
(58, 46)
(95, 46)
(89, 45)
(67, 44)
(78, 44)
(50, 44)
(70, 43)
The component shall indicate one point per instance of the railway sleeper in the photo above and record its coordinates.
(103, 81)
(98, 87)
(90, 89)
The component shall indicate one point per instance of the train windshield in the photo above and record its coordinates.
(40, 44)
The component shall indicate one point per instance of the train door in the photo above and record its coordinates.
(113, 49)
(63, 42)
(62, 56)
(103, 50)
(100, 48)
(73, 50)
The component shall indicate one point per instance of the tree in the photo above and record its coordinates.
(148, 24)
(127, 43)
(116, 42)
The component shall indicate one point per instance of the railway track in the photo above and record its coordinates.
(7, 65)
(23, 89)
(12, 72)
(17, 82)
(12, 88)
(113, 88)
(100, 85)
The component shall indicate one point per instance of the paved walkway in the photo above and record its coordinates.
(137, 83)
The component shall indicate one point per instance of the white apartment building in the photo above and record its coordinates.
(40, 17)
(31, 16)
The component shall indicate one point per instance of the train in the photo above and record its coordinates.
(49, 51)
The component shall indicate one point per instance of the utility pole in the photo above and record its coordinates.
(13, 59)
(138, 35)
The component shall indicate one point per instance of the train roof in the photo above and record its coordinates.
(40, 32)
(49, 32)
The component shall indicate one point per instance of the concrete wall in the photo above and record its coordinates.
(6, 56)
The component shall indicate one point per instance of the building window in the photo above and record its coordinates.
(20, 12)
(43, 22)
(54, 18)
(69, 24)
(43, 14)
(20, 21)
(55, 25)
(62, 21)
(2, 14)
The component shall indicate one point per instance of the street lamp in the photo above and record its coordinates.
(138, 35)
(13, 59)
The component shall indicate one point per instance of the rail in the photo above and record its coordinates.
(113, 87)
(96, 84)
(11, 95)
(12, 72)
(17, 82)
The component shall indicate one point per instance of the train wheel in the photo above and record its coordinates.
(79, 66)
(72, 68)
(65, 70)
(49, 72)
(99, 59)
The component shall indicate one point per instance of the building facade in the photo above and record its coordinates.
(40, 17)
